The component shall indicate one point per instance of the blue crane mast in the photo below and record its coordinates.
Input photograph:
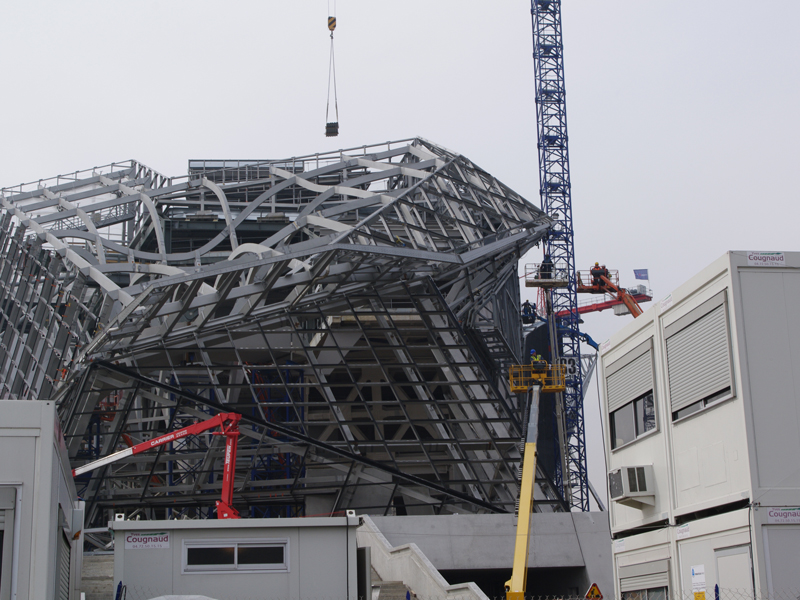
(554, 188)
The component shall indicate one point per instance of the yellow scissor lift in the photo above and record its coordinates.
(535, 378)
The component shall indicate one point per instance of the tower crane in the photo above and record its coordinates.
(555, 191)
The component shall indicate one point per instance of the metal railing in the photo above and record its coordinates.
(552, 378)
(585, 277)
(536, 277)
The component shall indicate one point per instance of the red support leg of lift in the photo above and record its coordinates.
(224, 508)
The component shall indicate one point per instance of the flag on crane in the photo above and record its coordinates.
(641, 274)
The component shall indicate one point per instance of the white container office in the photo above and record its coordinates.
(238, 558)
(41, 519)
(701, 416)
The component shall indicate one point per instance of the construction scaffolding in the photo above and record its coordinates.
(358, 308)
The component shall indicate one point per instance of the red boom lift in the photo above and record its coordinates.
(229, 427)
(607, 282)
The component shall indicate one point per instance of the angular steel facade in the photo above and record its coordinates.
(359, 309)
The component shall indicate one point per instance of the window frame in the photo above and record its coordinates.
(690, 319)
(644, 579)
(644, 594)
(645, 387)
(705, 404)
(187, 569)
(636, 436)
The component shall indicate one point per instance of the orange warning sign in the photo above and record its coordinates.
(594, 593)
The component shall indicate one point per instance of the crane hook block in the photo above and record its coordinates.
(331, 129)
(331, 23)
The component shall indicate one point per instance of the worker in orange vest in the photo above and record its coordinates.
(596, 271)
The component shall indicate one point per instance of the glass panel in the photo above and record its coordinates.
(657, 593)
(260, 555)
(650, 594)
(622, 426)
(688, 410)
(645, 414)
(209, 556)
(716, 396)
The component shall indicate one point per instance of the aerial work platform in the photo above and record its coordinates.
(550, 377)
(600, 280)
(539, 275)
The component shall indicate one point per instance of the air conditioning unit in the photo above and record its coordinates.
(633, 486)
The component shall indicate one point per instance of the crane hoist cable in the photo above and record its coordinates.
(332, 127)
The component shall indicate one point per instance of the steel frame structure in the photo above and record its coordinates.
(555, 191)
(358, 308)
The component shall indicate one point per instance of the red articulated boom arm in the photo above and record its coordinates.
(623, 295)
(603, 282)
(229, 426)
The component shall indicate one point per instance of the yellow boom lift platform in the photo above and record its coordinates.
(534, 378)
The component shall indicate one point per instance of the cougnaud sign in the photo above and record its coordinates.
(766, 259)
(137, 540)
(785, 515)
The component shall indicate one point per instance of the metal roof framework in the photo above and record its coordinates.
(359, 308)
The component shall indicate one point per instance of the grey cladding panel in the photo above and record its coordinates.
(698, 359)
(784, 548)
(771, 356)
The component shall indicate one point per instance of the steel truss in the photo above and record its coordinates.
(359, 309)
(555, 191)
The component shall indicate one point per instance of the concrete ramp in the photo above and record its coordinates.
(567, 552)
(409, 565)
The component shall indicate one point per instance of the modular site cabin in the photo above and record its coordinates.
(700, 412)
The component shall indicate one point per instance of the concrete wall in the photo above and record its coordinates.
(408, 564)
(321, 558)
(33, 463)
(480, 542)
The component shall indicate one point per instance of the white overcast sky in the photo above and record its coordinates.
(684, 115)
